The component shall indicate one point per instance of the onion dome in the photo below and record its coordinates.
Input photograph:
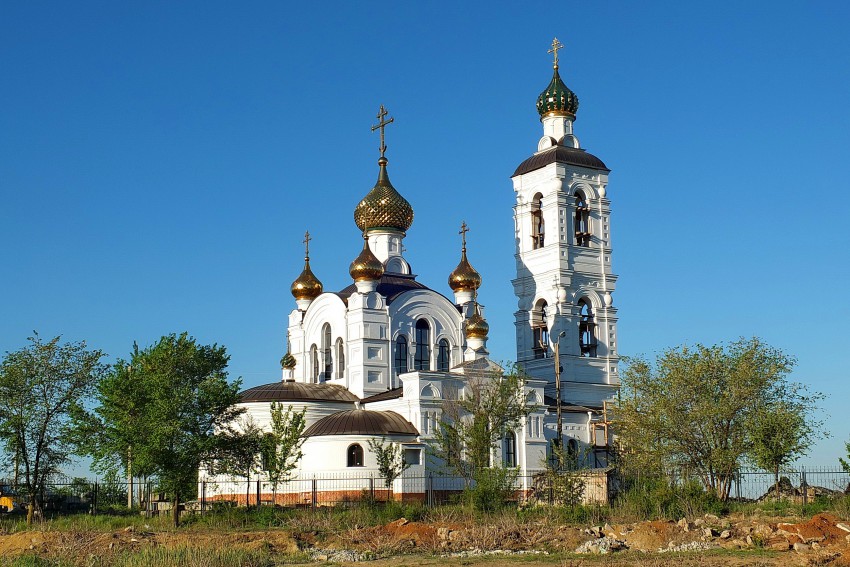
(288, 361)
(383, 207)
(476, 326)
(366, 267)
(464, 277)
(306, 286)
(557, 99)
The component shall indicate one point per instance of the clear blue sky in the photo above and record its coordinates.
(160, 162)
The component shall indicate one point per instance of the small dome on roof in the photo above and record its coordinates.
(298, 392)
(366, 267)
(361, 422)
(476, 326)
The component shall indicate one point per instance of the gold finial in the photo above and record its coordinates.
(380, 125)
(556, 45)
(306, 242)
(463, 230)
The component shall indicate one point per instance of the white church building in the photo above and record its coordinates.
(377, 359)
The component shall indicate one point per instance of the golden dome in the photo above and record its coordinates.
(476, 326)
(366, 267)
(464, 277)
(306, 286)
(383, 206)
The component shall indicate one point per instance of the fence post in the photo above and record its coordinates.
(203, 496)
(258, 493)
(804, 486)
(551, 491)
(738, 485)
(314, 495)
(429, 500)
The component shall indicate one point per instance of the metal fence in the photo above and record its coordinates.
(800, 486)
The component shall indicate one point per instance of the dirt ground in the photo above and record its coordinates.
(705, 541)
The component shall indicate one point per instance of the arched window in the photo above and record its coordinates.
(340, 358)
(400, 355)
(314, 362)
(586, 329)
(539, 330)
(355, 455)
(538, 227)
(422, 359)
(327, 352)
(582, 220)
(443, 361)
(509, 445)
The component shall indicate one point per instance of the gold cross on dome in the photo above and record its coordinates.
(381, 125)
(463, 230)
(556, 45)
(306, 242)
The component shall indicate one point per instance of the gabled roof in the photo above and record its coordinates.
(361, 422)
(298, 392)
(560, 154)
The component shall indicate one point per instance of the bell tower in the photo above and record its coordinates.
(564, 282)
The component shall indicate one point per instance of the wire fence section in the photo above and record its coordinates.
(801, 486)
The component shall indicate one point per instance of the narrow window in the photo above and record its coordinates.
(422, 358)
(509, 444)
(443, 356)
(539, 330)
(582, 220)
(340, 358)
(327, 352)
(587, 329)
(400, 355)
(538, 227)
(314, 363)
(355, 455)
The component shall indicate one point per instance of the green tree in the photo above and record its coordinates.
(390, 460)
(780, 433)
(472, 425)
(845, 464)
(39, 385)
(693, 408)
(282, 446)
(240, 452)
(183, 409)
(108, 432)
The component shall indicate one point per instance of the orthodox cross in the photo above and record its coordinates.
(380, 125)
(306, 242)
(463, 230)
(556, 45)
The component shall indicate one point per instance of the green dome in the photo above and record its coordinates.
(557, 99)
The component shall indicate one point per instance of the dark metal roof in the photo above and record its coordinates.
(361, 422)
(560, 154)
(393, 394)
(298, 392)
(569, 408)
(390, 286)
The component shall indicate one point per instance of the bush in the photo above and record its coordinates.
(492, 488)
(654, 498)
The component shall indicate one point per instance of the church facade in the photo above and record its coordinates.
(378, 359)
